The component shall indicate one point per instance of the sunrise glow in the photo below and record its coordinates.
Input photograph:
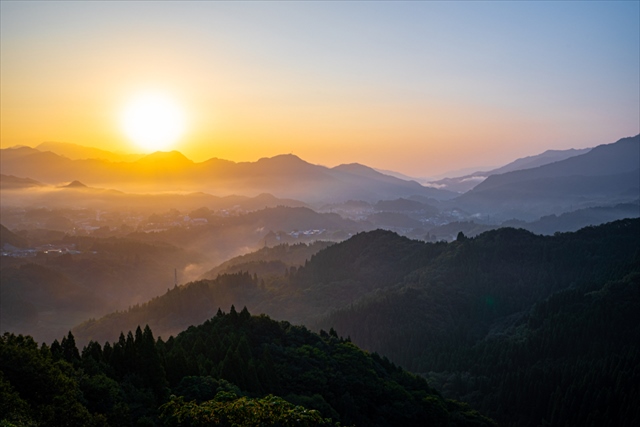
(445, 85)
(153, 121)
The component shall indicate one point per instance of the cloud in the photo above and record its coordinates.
(474, 179)
(434, 185)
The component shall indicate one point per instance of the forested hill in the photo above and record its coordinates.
(462, 290)
(487, 278)
(462, 313)
(269, 260)
(233, 370)
(530, 330)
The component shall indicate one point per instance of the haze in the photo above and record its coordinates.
(418, 88)
(373, 214)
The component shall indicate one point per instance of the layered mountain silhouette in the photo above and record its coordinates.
(13, 182)
(465, 183)
(341, 275)
(75, 184)
(285, 176)
(552, 312)
(77, 152)
(548, 224)
(80, 195)
(605, 175)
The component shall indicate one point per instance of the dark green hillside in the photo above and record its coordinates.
(469, 287)
(378, 257)
(269, 260)
(528, 329)
(466, 285)
(228, 371)
(550, 224)
(179, 308)
(364, 263)
(455, 311)
(573, 360)
(323, 372)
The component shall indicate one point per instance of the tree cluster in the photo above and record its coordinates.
(235, 369)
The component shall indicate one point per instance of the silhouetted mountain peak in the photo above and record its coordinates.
(75, 184)
(288, 157)
(283, 160)
(173, 157)
(362, 170)
(353, 167)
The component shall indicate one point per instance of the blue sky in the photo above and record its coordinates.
(418, 87)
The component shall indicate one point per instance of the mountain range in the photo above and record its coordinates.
(607, 174)
(530, 329)
(553, 182)
(79, 195)
(464, 183)
(285, 176)
(361, 267)
(79, 152)
(438, 307)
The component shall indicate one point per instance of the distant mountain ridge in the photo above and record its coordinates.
(607, 159)
(467, 182)
(373, 264)
(285, 176)
(488, 317)
(80, 152)
(78, 194)
(14, 182)
(605, 175)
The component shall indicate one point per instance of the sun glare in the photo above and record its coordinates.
(153, 121)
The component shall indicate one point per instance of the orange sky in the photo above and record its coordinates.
(417, 88)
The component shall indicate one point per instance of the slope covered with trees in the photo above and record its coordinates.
(531, 330)
(572, 360)
(235, 369)
(461, 313)
(269, 260)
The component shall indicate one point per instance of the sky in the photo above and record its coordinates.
(420, 88)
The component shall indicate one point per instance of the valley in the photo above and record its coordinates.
(319, 214)
(441, 284)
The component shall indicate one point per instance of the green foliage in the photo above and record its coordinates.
(325, 373)
(37, 390)
(227, 409)
(531, 330)
(528, 329)
(14, 411)
(201, 389)
(269, 260)
(227, 371)
(573, 361)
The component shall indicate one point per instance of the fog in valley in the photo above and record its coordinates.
(73, 250)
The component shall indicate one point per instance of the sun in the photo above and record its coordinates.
(153, 121)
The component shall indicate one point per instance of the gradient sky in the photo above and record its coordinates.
(416, 87)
